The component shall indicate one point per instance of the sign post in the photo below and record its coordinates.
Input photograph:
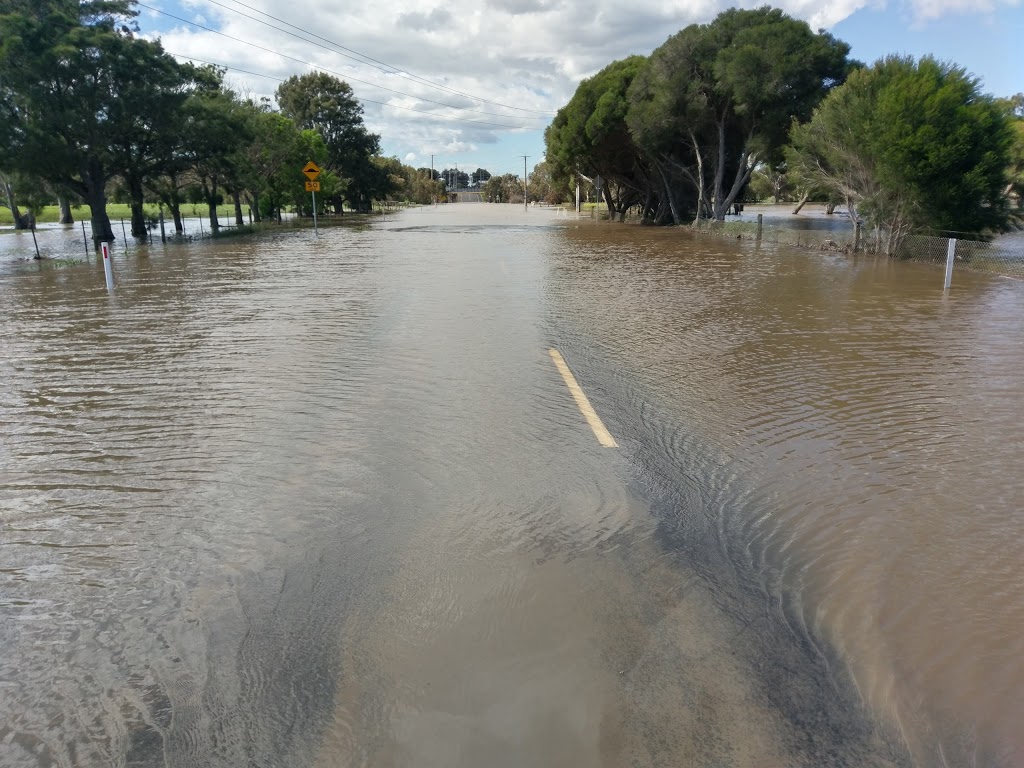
(108, 271)
(312, 170)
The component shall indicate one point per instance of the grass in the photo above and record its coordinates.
(118, 211)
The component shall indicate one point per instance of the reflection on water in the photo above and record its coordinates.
(300, 501)
(853, 436)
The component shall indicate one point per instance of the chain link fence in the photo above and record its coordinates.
(1003, 255)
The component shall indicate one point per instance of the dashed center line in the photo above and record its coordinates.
(600, 432)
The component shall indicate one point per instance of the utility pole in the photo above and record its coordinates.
(525, 185)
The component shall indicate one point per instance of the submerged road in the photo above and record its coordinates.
(478, 486)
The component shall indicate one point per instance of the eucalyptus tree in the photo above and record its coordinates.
(716, 99)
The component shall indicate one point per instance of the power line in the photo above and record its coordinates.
(347, 77)
(371, 101)
(364, 82)
(370, 61)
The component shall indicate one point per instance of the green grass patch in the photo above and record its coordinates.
(118, 211)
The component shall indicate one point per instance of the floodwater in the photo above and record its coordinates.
(288, 501)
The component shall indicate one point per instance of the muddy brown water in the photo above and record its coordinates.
(299, 501)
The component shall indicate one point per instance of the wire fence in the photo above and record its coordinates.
(823, 239)
(1003, 255)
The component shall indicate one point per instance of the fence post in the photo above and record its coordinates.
(34, 241)
(950, 254)
(163, 233)
(85, 240)
(760, 225)
(856, 236)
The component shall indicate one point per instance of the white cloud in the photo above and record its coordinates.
(517, 55)
(932, 9)
(410, 158)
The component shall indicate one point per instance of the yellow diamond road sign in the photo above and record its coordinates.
(312, 170)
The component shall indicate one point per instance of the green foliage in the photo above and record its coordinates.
(326, 104)
(86, 106)
(504, 189)
(910, 145)
(717, 99)
(681, 132)
(589, 135)
(82, 95)
(545, 188)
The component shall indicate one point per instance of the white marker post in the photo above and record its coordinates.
(950, 256)
(108, 271)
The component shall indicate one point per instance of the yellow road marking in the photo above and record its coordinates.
(602, 434)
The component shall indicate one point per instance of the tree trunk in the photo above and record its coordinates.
(65, 210)
(239, 220)
(701, 192)
(718, 211)
(139, 230)
(175, 206)
(676, 218)
(743, 170)
(94, 180)
(21, 221)
(830, 208)
(211, 201)
(255, 207)
(801, 204)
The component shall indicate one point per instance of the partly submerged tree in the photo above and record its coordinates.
(910, 145)
(716, 99)
(82, 95)
(322, 102)
(590, 136)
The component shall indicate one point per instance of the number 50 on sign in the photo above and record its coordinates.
(312, 186)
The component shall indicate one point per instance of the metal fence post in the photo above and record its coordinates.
(950, 254)
(760, 225)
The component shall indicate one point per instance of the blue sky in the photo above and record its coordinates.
(446, 72)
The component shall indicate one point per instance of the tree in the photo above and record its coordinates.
(1014, 107)
(504, 189)
(718, 98)
(146, 121)
(455, 178)
(215, 129)
(544, 187)
(770, 180)
(910, 145)
(274, 159)
(479, 176)
(326, 104)
(75, 79)
(590, 136)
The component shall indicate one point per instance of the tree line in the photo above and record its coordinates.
(903, 144)
(89, 109)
